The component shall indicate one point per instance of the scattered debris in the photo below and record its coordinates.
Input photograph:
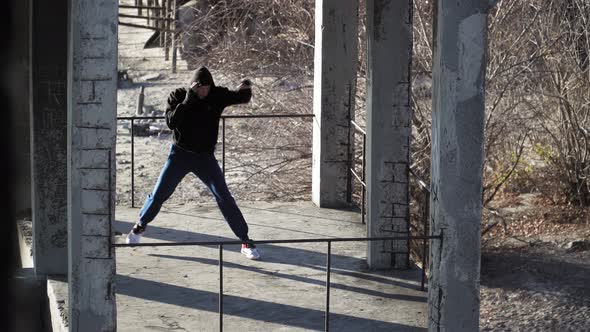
(151, 77)
(150, 129)
(122, 75)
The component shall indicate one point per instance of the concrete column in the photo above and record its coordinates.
(389, 35)
(92, 108)
(333, 99)
(457, 162)
(49, 135)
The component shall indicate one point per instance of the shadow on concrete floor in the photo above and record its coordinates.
(249, 308)
(538, 269)
(343, 265)
(315, 235)
(297, 278)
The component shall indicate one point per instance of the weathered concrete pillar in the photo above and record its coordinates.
(389, 35)
(457, 161)
(333, 99)
(49, 135)
(92, 108)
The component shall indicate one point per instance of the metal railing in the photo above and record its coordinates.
(223, 140)
(360, 178)
(352, 171)
(221, 244)
(425, 212)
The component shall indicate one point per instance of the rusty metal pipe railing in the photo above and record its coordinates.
(425, 213)
(352, 172)
(139, 7)
(146, 17)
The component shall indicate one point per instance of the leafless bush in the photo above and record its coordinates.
(561, 85)
(536, 83)
(257, 36)
(272, 42)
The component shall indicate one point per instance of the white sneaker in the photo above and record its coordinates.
(135, 234)
(250, 251)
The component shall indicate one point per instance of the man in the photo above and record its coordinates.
(194, 116)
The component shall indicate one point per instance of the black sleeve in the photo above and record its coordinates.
(175, 108)
(229, 97)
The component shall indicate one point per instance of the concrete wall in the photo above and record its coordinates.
(457, 161)
(28, 302)
(49, 135)
(389, 35)
(19, 86)
(333, 99)
(92, 109)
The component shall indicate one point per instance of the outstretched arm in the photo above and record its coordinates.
(241, 96)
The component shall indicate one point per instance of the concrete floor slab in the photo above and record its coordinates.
(176, 288)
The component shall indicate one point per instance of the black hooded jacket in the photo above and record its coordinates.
(195, 121)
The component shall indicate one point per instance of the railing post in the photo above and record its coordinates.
(147, 12)
(167, 33)
(363, 178)
(349, 161)
(110, 204)
(174, 35)
(425, 214)
(140, 99)
(132, 164)
(223, 144)
(221, 288)
(328, 270)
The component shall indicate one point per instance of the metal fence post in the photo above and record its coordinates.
(132, 164)
(220, 287)
(328, 270)
(363, 178)
(223, 144)
(425, 214)
(110, 204)
(174, 35)
(350, 162)
(167, 34)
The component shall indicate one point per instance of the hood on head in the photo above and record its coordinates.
(202, 76)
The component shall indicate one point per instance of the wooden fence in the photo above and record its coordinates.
(160, 16)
